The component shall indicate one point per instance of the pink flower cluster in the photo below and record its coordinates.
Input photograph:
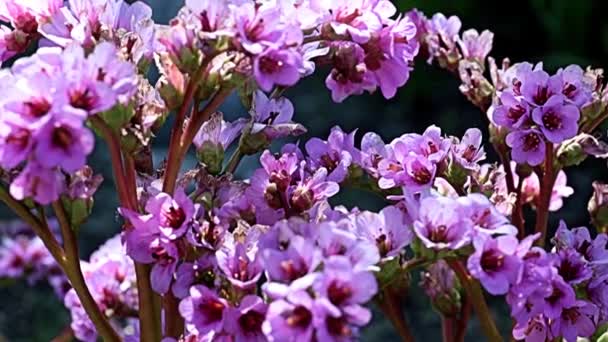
(278, 43)
(49, 96)
(540, 110)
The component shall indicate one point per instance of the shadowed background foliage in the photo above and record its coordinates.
(557, 32)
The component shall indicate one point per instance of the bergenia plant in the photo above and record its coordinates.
(203, 255)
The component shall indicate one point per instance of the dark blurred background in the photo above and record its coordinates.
(557, 32)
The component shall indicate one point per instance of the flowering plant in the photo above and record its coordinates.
(205, 256)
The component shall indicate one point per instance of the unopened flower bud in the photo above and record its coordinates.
(212, 156)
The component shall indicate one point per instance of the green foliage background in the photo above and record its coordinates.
(558, 32)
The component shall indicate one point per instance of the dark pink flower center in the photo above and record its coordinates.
(62, 137)
(302, 199)
(492, 261)
(422, 175)
(82, 99)
(212, 309)
(174, 217)
(251, 322)
(569, 90)
(541, 96)
(383, 244)
(300, 317)
(269, 65)
(329, 162)
(38, 107)
(531, 142)
(272, 195)
(516, 112)
(337, 326)
(439, 234)
(291, 270)
(469, 153)
(552, 121)
(339, 293)
(19, 138)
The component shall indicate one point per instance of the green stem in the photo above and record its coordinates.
(475, 293)
(234, 161)
(74, 274)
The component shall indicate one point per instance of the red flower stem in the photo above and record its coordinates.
(463, 320)
(478, 301)
(113, 144)
(390, 303)
(546, 188)
(149, 319)
(72, 269)
(447, 328)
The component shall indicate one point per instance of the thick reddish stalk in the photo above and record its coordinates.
(546, 188)
(478, 301)
(148, 318)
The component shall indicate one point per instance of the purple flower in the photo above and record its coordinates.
(354, 18)
(42, 184)
(576, 87)
(258, 27)
(218, 132)
(343, 286)
(336, 154)
(301, 257)
(561, 296)
(528, 146)
(537, 87)
(476, 46)
(572, 267)
(213, 16)
(389, 54)
(239, 264)
(486, 218)
(291, 319)
(512, 112)
(388, 230)
(578, 320)
(64, 142)
(245, 322)
(440, 226)
(534, 330)
(173, 213)
(495, 263)
(349, 75)
(165, 255)
(277, 67)
(203, 271)
(16, 142)
(203, 311)
(557, 121)
(469, 152)
(312, 189)
(120, 76)
(419, 173)
(273, 117)
(373, 150)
